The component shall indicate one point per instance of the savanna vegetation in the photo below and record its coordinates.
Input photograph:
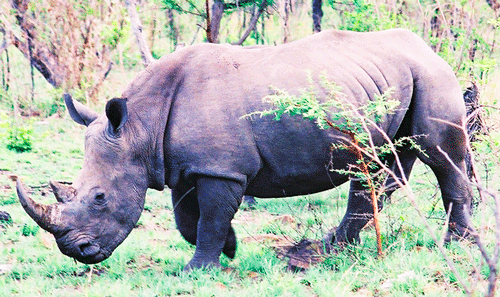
(93, 48)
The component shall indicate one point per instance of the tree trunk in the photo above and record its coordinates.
(6, 68)
(287, 10)
(40, 58)
(136, 24)
(32, 70)
(253, 22)
(208, 29)
(317, 15)
(217, 12)
(495, 4)
(173, 31)
(67, 50)
(43, 61)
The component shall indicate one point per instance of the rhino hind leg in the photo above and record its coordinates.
(457, 197)
(218, 200)
(455, 191)
(360, 209)
(439, 112)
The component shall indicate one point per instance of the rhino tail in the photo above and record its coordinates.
(474, 125)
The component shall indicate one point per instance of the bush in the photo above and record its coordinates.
(20, 138)
(30, 230)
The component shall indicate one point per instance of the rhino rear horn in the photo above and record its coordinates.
(79, 112)
(46, 216)
(62, 192)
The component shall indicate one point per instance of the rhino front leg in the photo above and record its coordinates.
(218, 201)
(359, 212)
(186, 211)
(187, 214)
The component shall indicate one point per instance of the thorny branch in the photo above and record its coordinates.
(493, 260)
(354, 148)
(402, 182)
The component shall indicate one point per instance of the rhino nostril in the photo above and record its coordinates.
(88, 250)
(82, 246)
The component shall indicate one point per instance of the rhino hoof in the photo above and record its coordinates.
(193, 265)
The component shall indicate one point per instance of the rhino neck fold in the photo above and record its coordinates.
(151, 96)
(151, 137)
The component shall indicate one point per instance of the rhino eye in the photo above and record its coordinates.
(100, 198)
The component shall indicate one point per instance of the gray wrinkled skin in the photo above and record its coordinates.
(181, 124)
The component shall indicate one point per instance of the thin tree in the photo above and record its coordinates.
(212, 17)
(217, 12)
(136, 25)
(62, 39)
(317, 15)
(253, 22)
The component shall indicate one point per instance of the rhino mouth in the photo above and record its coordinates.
(85, 251)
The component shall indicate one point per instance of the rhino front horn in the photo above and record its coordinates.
(46, 216)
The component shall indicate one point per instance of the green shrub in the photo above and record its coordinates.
(30, 230)
(8, 199)
(20, 138)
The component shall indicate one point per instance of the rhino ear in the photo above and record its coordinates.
(79, 112)
(116, 111)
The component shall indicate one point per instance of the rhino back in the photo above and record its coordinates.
(207, 133)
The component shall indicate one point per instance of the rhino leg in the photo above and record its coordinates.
(359, 212)
(187, 214)
(186, 211)
(455, 191)
(359, 207)
(218, 201)
(456, 196)
(439, 112)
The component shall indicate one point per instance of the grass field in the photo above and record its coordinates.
(150, 261)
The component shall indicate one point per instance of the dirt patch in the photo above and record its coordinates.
(91, 271)
(11, 176)
(305, 253)
(274, 240)
(301, 255)
(252, 217)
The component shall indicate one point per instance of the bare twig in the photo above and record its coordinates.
(490, 261)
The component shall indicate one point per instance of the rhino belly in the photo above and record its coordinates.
(295, 163)
(268, 185)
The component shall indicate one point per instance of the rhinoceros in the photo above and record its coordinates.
(182, 123)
